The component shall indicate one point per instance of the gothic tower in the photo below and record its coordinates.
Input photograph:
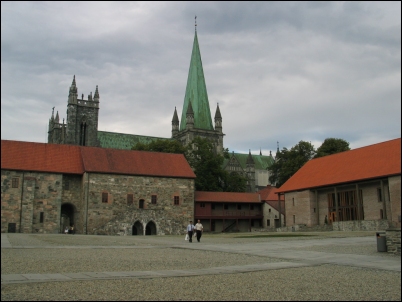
(250, 170)
(82, 118)
(196, 115)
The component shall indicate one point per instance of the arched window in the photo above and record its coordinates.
(141, 204)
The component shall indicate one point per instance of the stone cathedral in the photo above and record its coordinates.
(81, 126)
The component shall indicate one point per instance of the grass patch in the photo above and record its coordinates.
(275, 235)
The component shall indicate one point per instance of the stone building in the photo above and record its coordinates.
(358, 189)
(273, 209)
(253, 167)
(46, 187)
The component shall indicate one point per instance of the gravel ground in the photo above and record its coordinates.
(30, 261)
(318, 283)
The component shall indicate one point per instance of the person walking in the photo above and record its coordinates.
(199, 229)
(190, 230)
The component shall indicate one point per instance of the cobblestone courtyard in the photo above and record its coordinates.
(241, 266)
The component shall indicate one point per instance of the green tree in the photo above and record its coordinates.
(206, 164)
(234, 182)
(288, 162)
(161, 145)
(332, 146)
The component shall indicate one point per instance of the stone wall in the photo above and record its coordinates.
(301, 207)
(35, 205)
(271, 214)
(305, 228)
(10, 200)
(363, 225)
(116, 216)
(393, 241)
(395, 200)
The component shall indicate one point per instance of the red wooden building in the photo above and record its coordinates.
(228, 211)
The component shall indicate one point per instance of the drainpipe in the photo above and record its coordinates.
(22, 194)
(86, 206)
(383, 199)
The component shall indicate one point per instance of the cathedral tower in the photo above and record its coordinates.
(82, 118)
(196, 115)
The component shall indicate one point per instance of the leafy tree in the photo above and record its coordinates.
(234, 182)
(161, 145)
(206, 164)
(288, 162)
(332, 146)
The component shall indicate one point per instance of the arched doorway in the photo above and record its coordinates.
(150, 229)
(137, 228)
(66, 216)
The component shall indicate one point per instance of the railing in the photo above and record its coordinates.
(236, 213)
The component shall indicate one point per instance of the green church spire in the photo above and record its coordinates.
(196, 93)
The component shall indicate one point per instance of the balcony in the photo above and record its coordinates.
(236, 213)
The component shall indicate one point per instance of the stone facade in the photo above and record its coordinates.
(34, 205)
(393, 241)
(271, 217)
(48, 202)
(118, 215)
(311, 207)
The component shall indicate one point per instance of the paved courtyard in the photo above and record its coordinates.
(242, 266)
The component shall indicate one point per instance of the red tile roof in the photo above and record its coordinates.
(115, 161)
(39, 157)
(28, 156)
(270, 197)
(269, 193)
(201, 196)
(374, 161)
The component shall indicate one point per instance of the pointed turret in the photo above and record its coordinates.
(218, 119)
(96, 96)
(250, 160)
(190, 117)
(73, 92)
(196, 93)
(260, 151)
(175, 123)
(90, 97)
(57, 117)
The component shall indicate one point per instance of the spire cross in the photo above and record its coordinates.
(53, 110)
(195, 23)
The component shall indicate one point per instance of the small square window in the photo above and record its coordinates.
(239, 206)
(15, 182)
(202, 205)
(212, 206)
(176, 200)
(141, 204)
(153, 199)
(225, 206)
(130, 199)
(41, 217)
(105, 197)
(269, 210)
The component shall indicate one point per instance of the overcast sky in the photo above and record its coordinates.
(280, 71)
